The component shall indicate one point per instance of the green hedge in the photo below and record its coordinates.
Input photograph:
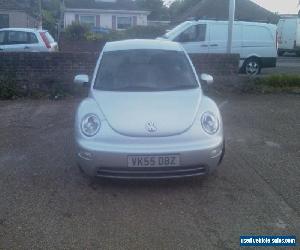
(279, 81)
(82, 32)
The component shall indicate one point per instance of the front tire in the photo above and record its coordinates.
(252, 66)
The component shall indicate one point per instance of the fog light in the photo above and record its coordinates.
(86, 156)
(216, 152)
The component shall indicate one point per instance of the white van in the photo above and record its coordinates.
(256, 43)
(289, 35)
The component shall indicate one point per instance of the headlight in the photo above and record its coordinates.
(90, 125)
(210, 123)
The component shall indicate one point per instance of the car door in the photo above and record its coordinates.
(17, 41)
(33, 44)
(194, 39)
(218, 33)
(219, 36)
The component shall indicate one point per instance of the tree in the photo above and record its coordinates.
(158, 10)
(51, 15)
(179, 6)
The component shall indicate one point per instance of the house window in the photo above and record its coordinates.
(88, 20)
(4, 21)
(124, 22)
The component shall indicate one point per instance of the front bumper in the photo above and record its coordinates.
(111, 162)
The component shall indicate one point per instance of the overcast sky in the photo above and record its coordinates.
(280, 6)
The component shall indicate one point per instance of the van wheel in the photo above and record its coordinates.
(252, 66)
(280, 52)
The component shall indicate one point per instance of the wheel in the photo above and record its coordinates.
(252, 66)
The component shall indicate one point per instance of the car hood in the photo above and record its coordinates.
(143, 114)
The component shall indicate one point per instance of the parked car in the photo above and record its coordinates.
(26, 40)
(146, 117)
(254, 42)
(289, 35)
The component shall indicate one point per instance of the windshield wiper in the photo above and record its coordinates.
(181, 87)
(134, 88)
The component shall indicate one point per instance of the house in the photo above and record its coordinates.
(246, 10)
(106, 14)
(18, 14)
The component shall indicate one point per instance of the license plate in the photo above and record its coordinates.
(154, 161)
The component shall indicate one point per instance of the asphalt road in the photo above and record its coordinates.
(288, 64)
(47, 204)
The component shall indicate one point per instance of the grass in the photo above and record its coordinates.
(279, 82)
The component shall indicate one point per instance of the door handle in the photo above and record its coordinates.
(204, 45)
(214, 45)
(26, 47)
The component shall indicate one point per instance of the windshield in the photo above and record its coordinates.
(145, 70)
(176, 29)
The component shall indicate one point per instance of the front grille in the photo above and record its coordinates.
(151, 173)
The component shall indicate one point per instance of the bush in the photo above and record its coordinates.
(145, 32)
(82, 32)
(76, 32)
(279, 81)
(8, 86)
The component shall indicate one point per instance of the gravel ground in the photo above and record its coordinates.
(46, 203)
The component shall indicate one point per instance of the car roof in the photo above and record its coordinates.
(21, 29)
(142, 44)
(236, 22)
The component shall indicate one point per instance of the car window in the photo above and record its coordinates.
(145, 70)
(2, 37)
(32, 38)
(175, 30)
(17, 37)
(49, 37)
(194, 33)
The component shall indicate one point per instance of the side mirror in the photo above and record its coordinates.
(82, 80)
(207, 78)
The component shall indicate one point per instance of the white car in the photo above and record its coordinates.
(26, 40)
(146, 116)
(289, 35)
(256, 43)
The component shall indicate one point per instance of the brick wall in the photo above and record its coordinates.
(66, 45)
(41, 70)
(216, 64)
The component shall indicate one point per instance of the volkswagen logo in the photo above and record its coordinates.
(150, 127)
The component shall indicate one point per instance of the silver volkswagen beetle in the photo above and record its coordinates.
(146, 116)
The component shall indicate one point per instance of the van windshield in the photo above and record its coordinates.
(145, 70)
(175, 30)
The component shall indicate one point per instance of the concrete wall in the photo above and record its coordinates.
(35, 71)
(19, 19)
